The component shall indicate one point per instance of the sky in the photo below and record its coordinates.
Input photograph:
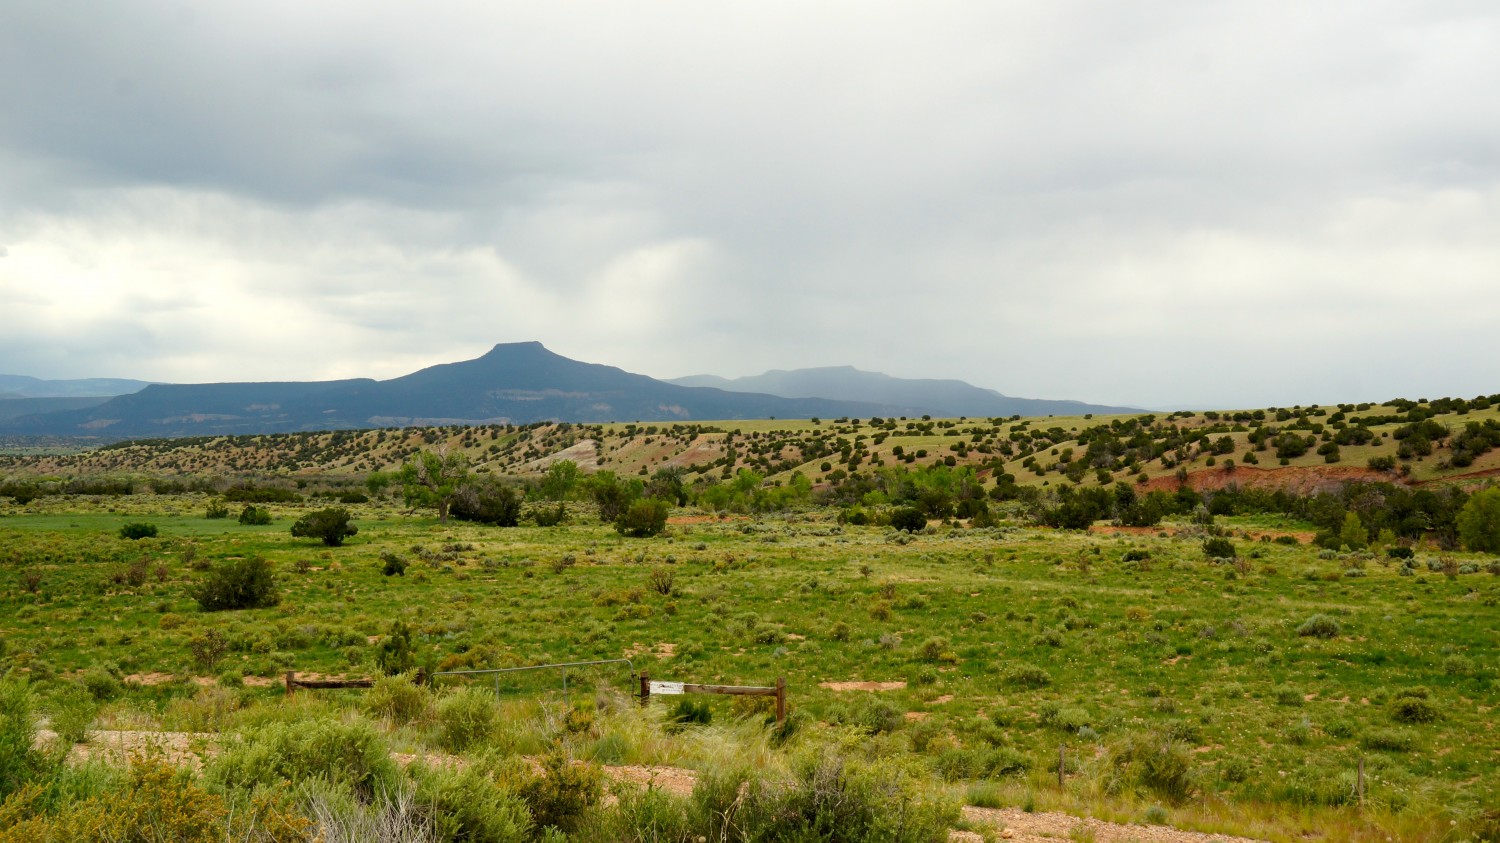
(1156, 204)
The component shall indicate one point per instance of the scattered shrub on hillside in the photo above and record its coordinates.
(392, 564)
(1218, 548)
(207, 648)
(1387, 740)
(247, 583)
(662, 581)
(138, 530)
(908, 519)
(394, 653)
(216, 510)
(1399, 552)
(487, 502)
(251, 494)
(1287, 695)
(1319, 626)
(1155, 762)
(643, 518)
(255, 516)
(1028, 677)
(1412, 706)
(21, 763)
(331, 526)
(936, 649)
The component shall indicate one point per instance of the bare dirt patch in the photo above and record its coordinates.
(1048, 827)
(673, 780)
(864, 686)
(149, 678)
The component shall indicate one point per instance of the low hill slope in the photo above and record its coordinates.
(1304, 449)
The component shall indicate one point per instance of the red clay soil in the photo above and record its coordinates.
(1304, 480)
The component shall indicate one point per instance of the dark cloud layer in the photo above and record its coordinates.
(1204, 203)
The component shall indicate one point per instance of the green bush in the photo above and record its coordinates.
(138, 530)
(255, 516)
(392, 565)
(466, 718)
(467, 806)
(1156, 763)
(397, 699)
(1319, 626)
(330, 526)
(1027, 676)
(216, 510)
(566, 791)
(73, 712)
(348, 755)
(908, 519)
(395, 654)
(1387, 740)
(247, 583)
(840, 799)
(1218, 548)
(487, 502)
(1412, 709)
(643, 518)
(20, 762)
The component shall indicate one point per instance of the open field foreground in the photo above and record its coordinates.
(1235, 696)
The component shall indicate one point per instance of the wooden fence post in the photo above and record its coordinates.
(645, 689)
(291, 682)
(780, 699)
(1061, 765)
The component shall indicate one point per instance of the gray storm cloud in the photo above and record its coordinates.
(1205, 203)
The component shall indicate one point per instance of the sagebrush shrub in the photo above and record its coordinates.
(247, 583)
(1319, 626)
(346, 754)
(466, 718)
(138, 530)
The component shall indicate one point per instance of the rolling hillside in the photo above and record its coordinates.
(1299, 448)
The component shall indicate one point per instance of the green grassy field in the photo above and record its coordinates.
(1011, 641)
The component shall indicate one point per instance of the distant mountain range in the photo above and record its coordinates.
(23, 386)
(516, 383)
(912, 396)
(21, 395)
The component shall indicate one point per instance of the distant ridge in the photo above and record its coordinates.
(24, 386)
(912, 396)
(517, 383)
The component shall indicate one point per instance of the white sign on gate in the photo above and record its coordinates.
(666, 687)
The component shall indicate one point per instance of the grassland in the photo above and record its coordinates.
(1011, 641)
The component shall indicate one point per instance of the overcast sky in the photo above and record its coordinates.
(1188, 203)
